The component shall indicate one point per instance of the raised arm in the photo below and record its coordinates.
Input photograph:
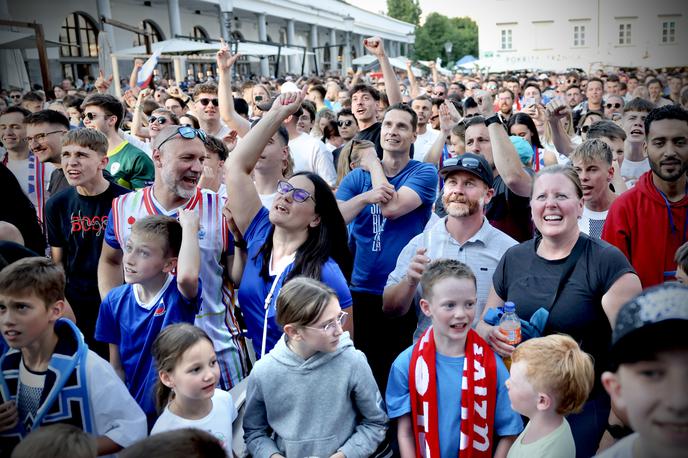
(375, 47)
(137, 121)
(554, 112)
(189, 260)
(225, 61)
(138, 63)
(414, 90)
(242, 196)
(449, 117)
(507, 161)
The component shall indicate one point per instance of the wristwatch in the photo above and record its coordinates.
(493, 119)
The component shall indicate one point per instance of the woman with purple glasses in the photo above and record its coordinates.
(302, 233)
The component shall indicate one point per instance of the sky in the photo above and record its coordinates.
(448, 8)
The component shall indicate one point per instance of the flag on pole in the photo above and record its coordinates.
(146, 72)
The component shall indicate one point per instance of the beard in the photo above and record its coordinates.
(460, 206)
(174, 185)
(680, 170)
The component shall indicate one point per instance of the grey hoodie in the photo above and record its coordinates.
(315, 407)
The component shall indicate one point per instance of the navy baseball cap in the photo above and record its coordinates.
(471, 163)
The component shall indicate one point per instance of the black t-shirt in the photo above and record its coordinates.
(530, 281)
(509, 212)
(58, 182)
(372, 134)
(77, 224)
(18, 210)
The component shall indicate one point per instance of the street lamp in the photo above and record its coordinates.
(448, 45)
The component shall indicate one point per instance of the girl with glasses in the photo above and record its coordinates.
(314, 392)
(303, 232)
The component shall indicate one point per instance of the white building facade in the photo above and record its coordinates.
(323, 27)
(558, 34)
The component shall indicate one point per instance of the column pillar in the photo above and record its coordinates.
(314, 44)
(346, 58)
(334, 50)
(358, 43)
(263, 36)
(293, 62)
(103, 7)
(175, 18)
(226, 8)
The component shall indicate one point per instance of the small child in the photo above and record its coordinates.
(682, 264)
(60, 440)
(48, 375)
(550, 377)
(314, 393)
(447, 390)
(188, 372)
(132, 315)
(649, 373)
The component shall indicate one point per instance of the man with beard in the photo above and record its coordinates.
(464, 234)
(44, 131)
(505, 103)
(178, 155)
(649, 222)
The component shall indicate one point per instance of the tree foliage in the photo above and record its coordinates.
(404, 10)
(437, 29)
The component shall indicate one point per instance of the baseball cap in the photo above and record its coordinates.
(523, 148)
(471, 163)
(659, 315)
(289, 87)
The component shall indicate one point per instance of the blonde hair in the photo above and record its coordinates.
(56, 440)
(351, 152)
(301, 301)
(556, 364)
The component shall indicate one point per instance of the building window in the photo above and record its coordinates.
(506, 42)
(578, 35)
(200, 34)
(669, 32)
(80, 33)
(624, 34)
(154, 30)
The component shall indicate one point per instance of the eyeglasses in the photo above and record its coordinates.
(331, 327)
(468, 162)
(39, 138)
(188, 133)
(299, 195)
(15, 96)
(613, 105)
(205, 102)
(346, 123)
(159, 119)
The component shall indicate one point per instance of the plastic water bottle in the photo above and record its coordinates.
(510, 326)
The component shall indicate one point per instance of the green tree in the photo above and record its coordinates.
(437, 29)
(404, 10)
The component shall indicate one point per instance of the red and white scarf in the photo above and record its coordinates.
(478, 397)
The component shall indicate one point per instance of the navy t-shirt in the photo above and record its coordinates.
(254, 288)
(378, 240)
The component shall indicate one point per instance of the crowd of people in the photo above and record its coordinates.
(317, 266)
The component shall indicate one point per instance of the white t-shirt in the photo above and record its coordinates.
(631, 170)
(591, 222)
(310, 155)
(423, 143)
(267, 199)
(218, 422)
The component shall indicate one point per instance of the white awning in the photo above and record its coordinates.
(180, 46)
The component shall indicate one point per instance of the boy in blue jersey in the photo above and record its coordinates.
(447, 391)
(132, 315)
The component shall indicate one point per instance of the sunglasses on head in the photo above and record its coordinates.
(613, 105)
(159, 119)
(205, 102)
(299, 195)
(468, 162)
(188, 133)
(346, 123)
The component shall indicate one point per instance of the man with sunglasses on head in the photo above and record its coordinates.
(348, 128)
(179, 154)
(464, 234)
(129, 166)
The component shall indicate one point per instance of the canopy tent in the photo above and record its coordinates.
(465, 59)
(397, 62)
(180, 46)
(17, 40)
